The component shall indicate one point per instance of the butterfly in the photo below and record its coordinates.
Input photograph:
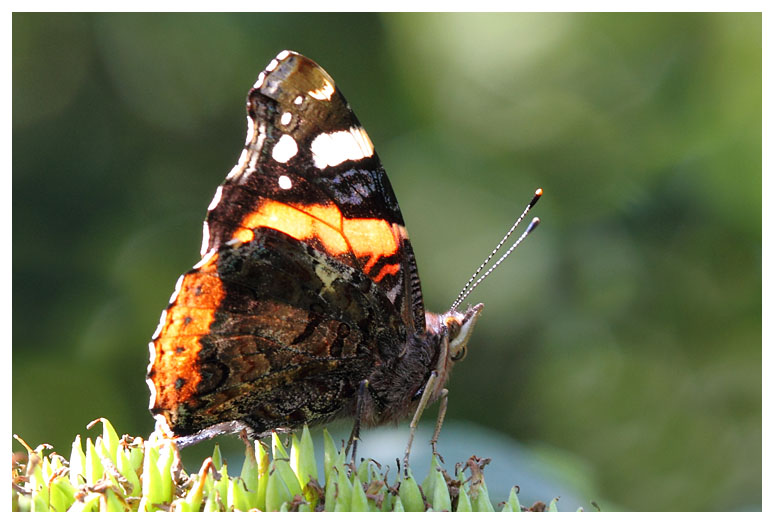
(306, 305)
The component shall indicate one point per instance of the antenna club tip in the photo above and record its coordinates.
(533, 224)
(537, 196)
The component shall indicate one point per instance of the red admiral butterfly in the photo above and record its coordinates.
(306, 305)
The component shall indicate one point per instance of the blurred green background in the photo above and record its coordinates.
(624, 335)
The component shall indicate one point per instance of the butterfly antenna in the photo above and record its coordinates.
(473, 282)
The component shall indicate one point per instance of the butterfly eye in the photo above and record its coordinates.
(460, 355)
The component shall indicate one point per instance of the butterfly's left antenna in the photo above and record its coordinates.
(470, 285)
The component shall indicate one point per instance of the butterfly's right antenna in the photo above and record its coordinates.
(468, 288)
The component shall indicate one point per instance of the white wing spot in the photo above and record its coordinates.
(285, 182)
(216, 198)
(298, 100)
(272, 65)
(206, 258)
(285, 119)
(283, 55)
(285, 149)
(260, 81)
(176, 291)
(331, 149)
(324, 92)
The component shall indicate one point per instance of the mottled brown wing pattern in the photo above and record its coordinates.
(272, 333)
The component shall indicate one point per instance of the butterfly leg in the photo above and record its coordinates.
(439, 421)
(426, 394)
(355, 434)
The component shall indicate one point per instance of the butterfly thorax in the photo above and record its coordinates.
(396, 388)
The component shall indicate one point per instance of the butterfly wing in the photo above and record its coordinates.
(309, 169)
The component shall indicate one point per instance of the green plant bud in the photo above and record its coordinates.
(136, 453)
(278, 450)
(125, 468)
(481, 502)
(77, 463)
(61, 494)
(363, 471)
(305, 507)
(263, 474)
(428, 483)
(331, 490)
(285, 507)
(237, 497)
(109, 438)
(145, 505)
(152, 485)
(21, 503)
(463, 501)
(90, 503)
(45, 469)
(111, 502)
(211, 505)
(217, 459)
(94, 467)
(553, 505)
(440, 495)
(249, 475)
(512, 504)
(283, 468)
(410, 495)
(397, 505)
(40, 497)
(330, 457)
(166, 458)
(180, 505)
(358, 500)
(387, 500)
(221, 487)
(303, 463)
(195, 494)
(276, 491)
(463, 498)
(344, 492)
